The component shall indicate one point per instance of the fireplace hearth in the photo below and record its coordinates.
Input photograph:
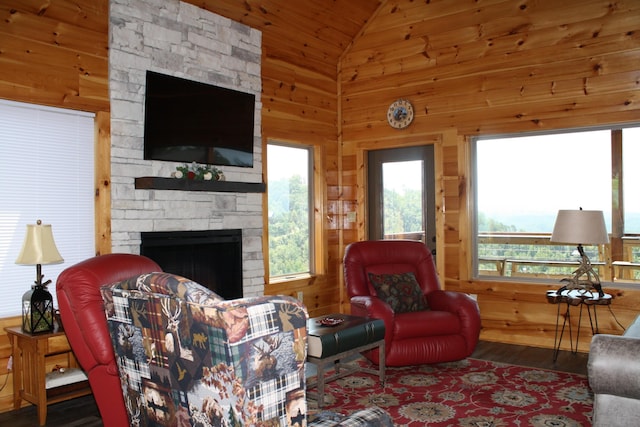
(212, 258)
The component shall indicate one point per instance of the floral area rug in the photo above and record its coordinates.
(468, 393)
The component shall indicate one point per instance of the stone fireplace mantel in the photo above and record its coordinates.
(180, 39)
(160, 183)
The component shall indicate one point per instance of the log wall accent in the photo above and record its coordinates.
(55, 53)
(6, 395)
(489, 68)
(302, 42)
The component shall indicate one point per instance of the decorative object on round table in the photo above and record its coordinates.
(330, 321)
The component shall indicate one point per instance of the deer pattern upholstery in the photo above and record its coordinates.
(186, 357)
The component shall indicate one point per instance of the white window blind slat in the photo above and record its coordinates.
(46, 172)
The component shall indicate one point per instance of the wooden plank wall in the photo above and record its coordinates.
(302, 42)
(55, 53)
(488, 68)
(300, 106)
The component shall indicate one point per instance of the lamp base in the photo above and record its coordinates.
(584, 278)
(583, 286)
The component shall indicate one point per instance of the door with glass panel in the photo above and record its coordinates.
(401, 188)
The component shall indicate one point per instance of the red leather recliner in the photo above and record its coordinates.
(447, 331)
(85, 324)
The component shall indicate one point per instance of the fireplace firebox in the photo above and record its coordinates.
(212, 258)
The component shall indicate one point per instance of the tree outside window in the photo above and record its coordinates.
(289, 201)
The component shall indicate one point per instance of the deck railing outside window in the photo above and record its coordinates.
(535, 256)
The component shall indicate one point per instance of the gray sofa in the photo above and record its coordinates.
(614, 377)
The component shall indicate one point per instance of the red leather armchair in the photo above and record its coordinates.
(85, 324)
(447, 331)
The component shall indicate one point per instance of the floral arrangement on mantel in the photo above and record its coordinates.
(198, 172)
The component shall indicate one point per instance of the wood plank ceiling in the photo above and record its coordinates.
(310, 34)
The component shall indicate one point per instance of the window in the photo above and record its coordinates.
(289, 202)
(402, 206)
(47, 173)
(631, 179)
(523, 181)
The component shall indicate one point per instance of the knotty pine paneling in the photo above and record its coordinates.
(89, 15)
(310, 35)
(55, 53)
(6, 394)
(299, 106)
(102, 180)
(489, 68)
(519, 313)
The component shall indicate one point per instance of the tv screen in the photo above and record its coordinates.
(188, 121)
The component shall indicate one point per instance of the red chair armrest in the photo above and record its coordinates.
(465, 307)
(370, 306)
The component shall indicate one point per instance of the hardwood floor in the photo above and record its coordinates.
(532, 356)
(79, 412)
(84, 412)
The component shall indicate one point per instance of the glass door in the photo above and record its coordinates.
(401, 187)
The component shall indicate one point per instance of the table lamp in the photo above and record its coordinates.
(37, 304)
(581, 227)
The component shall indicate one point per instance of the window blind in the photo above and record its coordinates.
(46, 173)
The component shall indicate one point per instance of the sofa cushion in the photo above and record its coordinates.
(401, 291)
(633, 331)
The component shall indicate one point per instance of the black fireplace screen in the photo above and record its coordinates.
(212, 258)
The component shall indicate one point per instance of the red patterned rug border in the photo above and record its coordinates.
(467, 393)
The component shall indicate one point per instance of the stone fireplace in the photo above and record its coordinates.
(212, 258)
(175, 38)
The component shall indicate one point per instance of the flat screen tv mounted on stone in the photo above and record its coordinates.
(188, 121)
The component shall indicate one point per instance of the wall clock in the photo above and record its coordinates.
(400, 114)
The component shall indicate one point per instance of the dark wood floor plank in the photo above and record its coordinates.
(532, 356)
(81, 411)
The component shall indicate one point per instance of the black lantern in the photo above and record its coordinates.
(37, 310)
(37, 304)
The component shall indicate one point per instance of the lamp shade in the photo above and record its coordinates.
(580, 227)
(37, 303)
(38, 246)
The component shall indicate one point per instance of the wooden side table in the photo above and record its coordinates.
(29, 372)
(575, 298)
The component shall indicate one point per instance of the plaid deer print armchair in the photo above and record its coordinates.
(188, 358)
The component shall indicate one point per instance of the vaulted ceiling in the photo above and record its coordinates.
(308, 33)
